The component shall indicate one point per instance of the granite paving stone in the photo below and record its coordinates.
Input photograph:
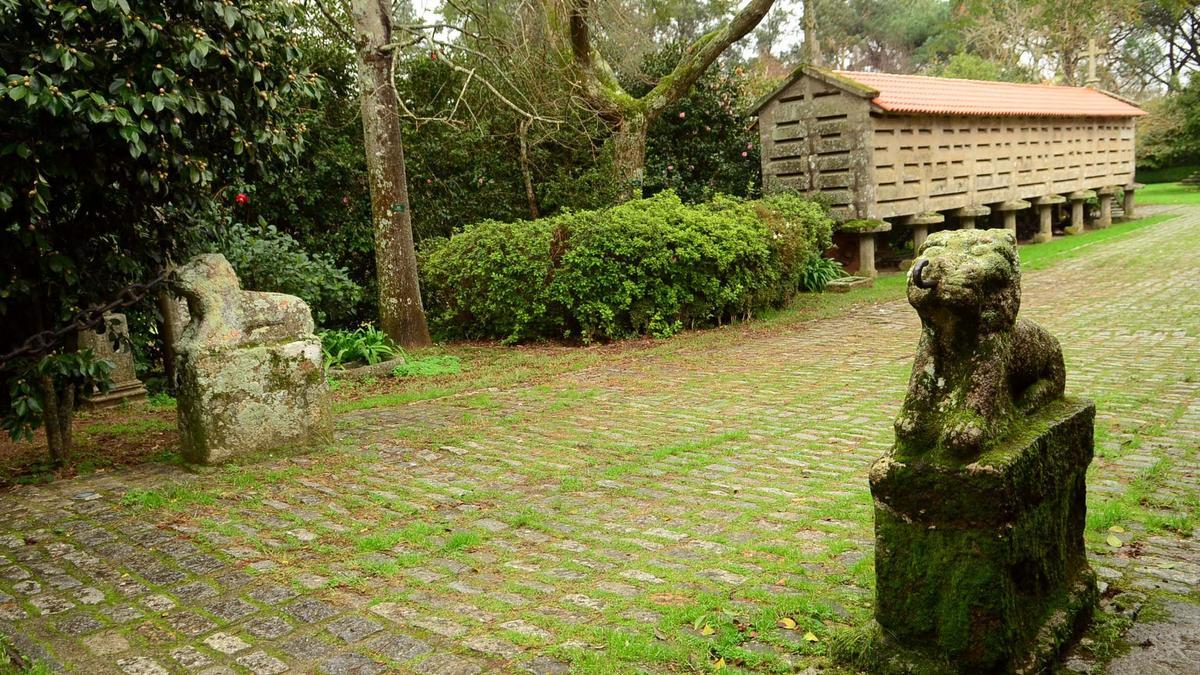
(720, 475)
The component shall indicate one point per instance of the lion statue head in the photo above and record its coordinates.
(968, 275)
(978, 367)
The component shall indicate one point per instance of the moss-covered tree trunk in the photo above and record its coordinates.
(629, 155)
(629, 116)
(401, 315)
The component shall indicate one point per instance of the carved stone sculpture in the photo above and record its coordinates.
(978, 366)
(250, 370)
(980, 505)
(113, 345)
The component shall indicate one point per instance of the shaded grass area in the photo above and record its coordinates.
(1168, 175)
(1169, 193)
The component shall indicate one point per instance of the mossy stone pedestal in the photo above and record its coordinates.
(980, 563)
(250, 367)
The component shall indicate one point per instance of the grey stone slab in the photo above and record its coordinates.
(268, 627)
(306, 648)
(190, 623)
(262, 663)
(492, 646)
(226, 643)
(310, 610)
(272, 594)
(351, 663)
(232, 609)
(78, 624)
(398, 648)
(191, 658)
(352, 628)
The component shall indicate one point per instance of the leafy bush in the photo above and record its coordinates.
(266, 259)
(651, 266)
(364, 345)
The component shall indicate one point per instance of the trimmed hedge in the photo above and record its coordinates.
(651, 266)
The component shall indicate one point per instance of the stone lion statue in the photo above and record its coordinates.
(978, 367)
(224, 314)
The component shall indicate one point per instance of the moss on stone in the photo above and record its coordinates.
(864, 225)
(974, 560)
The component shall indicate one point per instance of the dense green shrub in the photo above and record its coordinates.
(266, 259)
(650, 266)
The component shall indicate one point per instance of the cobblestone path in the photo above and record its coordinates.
(659, 513)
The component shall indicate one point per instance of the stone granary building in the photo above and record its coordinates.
(892, 151)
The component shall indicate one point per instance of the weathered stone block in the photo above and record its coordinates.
(980, 505)
(114, 346)
(250, 369)
(980, 566)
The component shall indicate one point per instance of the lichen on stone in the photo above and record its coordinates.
(250, 367)
(978, 367)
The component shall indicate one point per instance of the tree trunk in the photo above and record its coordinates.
(170, 334)
(58, 409)
(633, 115)
(629, 155)
(526, 169)
(401, 315)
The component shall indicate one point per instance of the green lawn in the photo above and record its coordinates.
(1168, 193)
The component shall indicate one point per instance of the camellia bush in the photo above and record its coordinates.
(119, 119)
(647, 267)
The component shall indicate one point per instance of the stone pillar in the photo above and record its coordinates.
(864, 230)
(1106, 196)
(113, 346)
(980, 505)
(866, 255)
(1077, 205)
(1009, 209)
(1128, 206)
(1046, 207)
(250, 367)
(920, 227)
(968, 214)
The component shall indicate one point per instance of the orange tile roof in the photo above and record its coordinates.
(940, 95)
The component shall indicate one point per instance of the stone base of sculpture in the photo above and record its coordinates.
(980, 563)
(250, 368)
(238, 401)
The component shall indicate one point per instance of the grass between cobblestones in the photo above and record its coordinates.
(655, 513)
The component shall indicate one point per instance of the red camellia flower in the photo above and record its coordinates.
(241, 199)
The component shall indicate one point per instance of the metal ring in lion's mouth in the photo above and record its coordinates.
(916, 275)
